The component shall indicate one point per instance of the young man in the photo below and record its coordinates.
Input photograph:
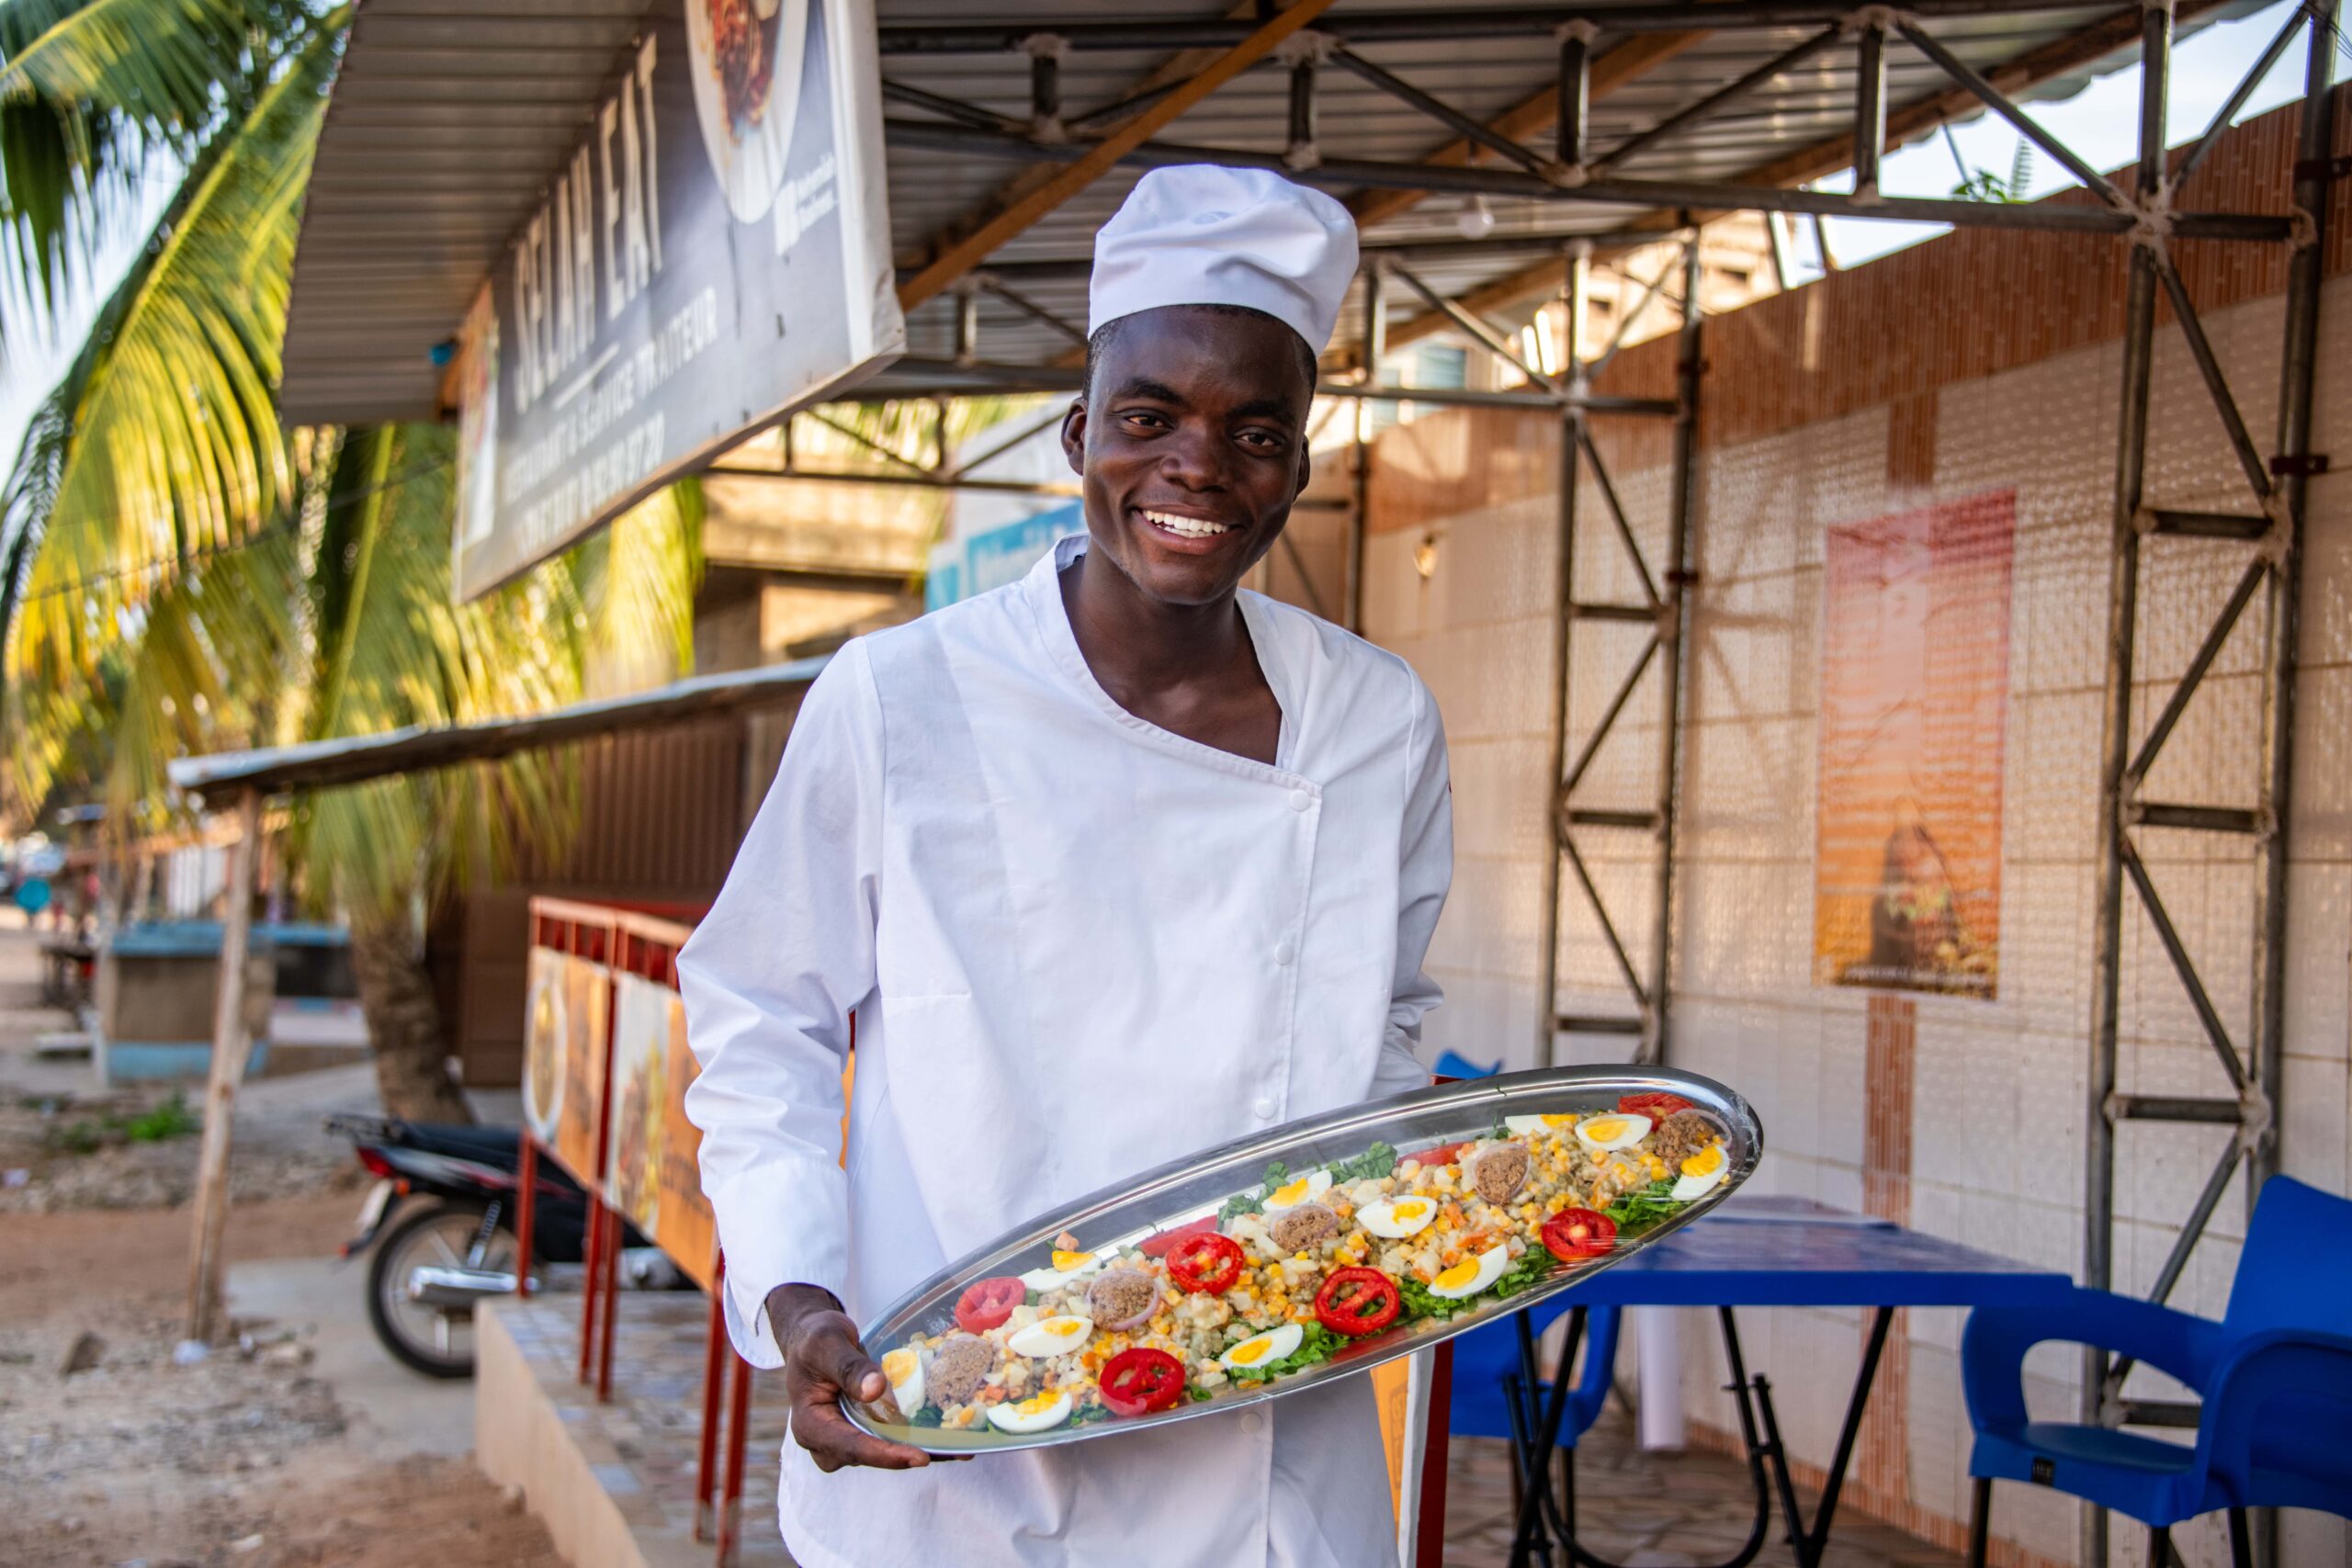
(1113, 865)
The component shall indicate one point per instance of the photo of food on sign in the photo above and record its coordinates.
(543, 1044)
(1337, 1266)
(747, 60)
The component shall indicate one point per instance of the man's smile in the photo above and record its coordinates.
(1184, 526)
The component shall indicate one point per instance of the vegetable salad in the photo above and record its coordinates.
(1308, 1263)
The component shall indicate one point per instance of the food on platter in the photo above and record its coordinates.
(1345, 1259)
(740, 56)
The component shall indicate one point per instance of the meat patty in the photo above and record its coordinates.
(1682, 1135)
(957, 1369)
(1499, 1171)
(1122, 1297)
(1296, 1229)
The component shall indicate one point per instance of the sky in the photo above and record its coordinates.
(2097, 123)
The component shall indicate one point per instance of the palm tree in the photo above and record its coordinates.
(179, 571)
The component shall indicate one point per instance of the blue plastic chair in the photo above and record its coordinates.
(1487, 1365)
(2274, 1377)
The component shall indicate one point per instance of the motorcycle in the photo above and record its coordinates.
(440, 1220)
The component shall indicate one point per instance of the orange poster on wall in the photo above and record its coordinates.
(563, 1057)
(1915, 688)
(653, 1174)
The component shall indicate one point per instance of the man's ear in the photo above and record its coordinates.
(1305, 471)
(1074, 436)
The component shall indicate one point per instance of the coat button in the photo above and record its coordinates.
(1252, 1422)
(1300, 800)
(1264, 1107)
(1285, 952)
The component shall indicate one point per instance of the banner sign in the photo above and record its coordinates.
(714, 252)
(651, 1175)
(1915, 690)
(564, 1040)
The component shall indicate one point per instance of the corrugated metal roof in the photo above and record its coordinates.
(450, 119)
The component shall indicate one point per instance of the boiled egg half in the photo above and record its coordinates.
(1702, 1173)
(1260, 1349)
(1520, 1127)
(1620, 1131)
(904, 1368)
(1472, 1275)
(1067, 1269)
(1035, 1413)
(1050, 1336)
(1396, 1218)
(1304, 1190)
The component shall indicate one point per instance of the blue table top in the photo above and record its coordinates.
(1794, 1252)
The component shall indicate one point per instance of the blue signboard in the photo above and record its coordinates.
(961, 569)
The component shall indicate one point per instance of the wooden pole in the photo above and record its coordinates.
(232, 1044)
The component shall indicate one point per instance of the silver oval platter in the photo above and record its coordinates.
(1454, 1187)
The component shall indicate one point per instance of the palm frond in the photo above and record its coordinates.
(172, 444)
(85, 88)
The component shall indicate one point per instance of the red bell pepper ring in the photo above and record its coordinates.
(1435, 1155)
(1574, 1234)
(1140, 1380)
(1357, 1302)
(1205, 1264)
(1157, 1245)
(989, 1303)
(1655, 1104)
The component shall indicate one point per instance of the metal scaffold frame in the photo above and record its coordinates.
(1572, 170)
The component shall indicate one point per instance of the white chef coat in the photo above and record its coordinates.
(1078, 946)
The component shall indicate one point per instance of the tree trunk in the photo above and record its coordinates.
(403, 1024)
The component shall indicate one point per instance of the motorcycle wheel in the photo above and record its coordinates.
(432, 1341)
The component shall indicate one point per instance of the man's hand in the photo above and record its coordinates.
(823, 1364)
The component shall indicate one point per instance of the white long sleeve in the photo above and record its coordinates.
(770, 979)
(1425, 872)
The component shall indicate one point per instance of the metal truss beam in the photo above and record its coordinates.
(1649, 982)
(2272, 530)
(1434, 24)
(1672, 194)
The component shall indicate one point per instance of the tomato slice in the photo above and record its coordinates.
(1573, 1234)
(1436, 1154)
(1140, 1380)
(1157, 1245)
(989, 1303)
(1655, 1104)
(1205, 1264)
(1358, 1301)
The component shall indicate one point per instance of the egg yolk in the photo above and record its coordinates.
(897, 1365)
(1559, 1121)
(1250, 1352)
(1459, 1275)
(1291, 1193)
(1410, 1209)
(1604, 1128)
(1065, 1328)
(1706, 1162)
(1069, 1262)
(1037, 1405)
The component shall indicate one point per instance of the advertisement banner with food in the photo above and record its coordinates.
(1914, 696)
(650, 1170)
(713, 253)
(564, 1038)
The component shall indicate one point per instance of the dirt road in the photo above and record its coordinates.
(245, 1460)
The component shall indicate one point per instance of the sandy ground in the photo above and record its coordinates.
(254, 1457)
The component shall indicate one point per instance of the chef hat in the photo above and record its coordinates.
(1203, 235)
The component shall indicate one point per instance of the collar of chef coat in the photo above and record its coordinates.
(1043, 590)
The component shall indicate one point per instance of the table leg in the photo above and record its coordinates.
(1809, 1541)
(1740, 1389)
(1537, 1508)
